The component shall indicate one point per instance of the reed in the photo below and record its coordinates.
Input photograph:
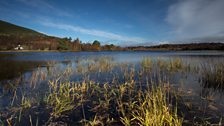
(147, 108)
(25, 102)
(127, 102)
(61, 97)
(154, 110)
(95, 122)
(212, 76)
(147, 64)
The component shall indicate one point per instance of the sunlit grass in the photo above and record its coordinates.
(25, 102)
(143, 97)
(61, 97)
(154, 110)
(130, 104)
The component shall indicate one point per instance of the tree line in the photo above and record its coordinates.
(42, 42)
(77, 45)
(9, 42)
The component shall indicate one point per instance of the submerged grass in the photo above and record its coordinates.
(143, 97)
(132, 107)
(213, 76)
(60, 97)
(154, 110)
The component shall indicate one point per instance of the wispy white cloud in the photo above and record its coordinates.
(36, 3)
(46, 6)
(198, 19)
(94, 32)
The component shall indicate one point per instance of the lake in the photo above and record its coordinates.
(188, 73)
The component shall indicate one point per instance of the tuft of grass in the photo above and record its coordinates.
(61, 97)
(25, 102)
(154, 110)
(172, 65)
(146, 107)
(96, 121)
(213, 76)
(147, 64)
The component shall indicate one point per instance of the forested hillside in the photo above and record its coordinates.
(12, 35)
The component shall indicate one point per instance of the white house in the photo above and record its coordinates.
(19, 47)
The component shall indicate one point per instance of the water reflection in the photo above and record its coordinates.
(11, 69)
(191, 73)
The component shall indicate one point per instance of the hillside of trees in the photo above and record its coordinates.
(12, 35)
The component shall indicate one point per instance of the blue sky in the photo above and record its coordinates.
(121, 22)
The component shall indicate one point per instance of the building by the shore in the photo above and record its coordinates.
(19, 47)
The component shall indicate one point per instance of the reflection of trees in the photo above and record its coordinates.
(12, 69)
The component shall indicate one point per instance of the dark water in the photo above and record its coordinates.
(16, 64)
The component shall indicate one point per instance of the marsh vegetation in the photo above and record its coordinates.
(99, 90)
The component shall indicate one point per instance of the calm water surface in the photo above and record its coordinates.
(15, 64)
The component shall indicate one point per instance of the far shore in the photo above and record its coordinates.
(36, 51)
(107, 50)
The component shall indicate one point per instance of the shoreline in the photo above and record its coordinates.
(153, 50)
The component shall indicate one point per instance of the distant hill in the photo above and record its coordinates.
(12, 35)
(189, 46)
(11, 29)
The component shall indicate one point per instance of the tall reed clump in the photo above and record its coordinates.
(66, 96)
(172, 65)
(147, 64)
(213, 76)
(100, 64)
(61, 97)
(153, 110)
(147, 107)
(175, 65)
